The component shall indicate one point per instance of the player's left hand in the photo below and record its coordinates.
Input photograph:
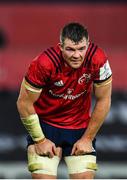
(82, 146)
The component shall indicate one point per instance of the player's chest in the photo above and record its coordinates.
(75, 80)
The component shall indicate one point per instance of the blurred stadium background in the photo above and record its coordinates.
(27, 28)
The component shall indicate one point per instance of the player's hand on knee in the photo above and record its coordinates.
(45, 148)
(82, 147)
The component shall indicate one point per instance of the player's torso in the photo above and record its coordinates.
(70, 85)
(66, 98)
(66, 82)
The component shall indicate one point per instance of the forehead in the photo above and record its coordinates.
(70, 43)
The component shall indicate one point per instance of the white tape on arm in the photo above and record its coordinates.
(32, 125)
(31, 88)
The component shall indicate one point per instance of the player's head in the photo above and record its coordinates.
(75, 32)
(74, 40)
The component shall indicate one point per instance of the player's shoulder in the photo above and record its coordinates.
(49, 58)
(99, 55)
(95, 56)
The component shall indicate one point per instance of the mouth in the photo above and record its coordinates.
(75, 61)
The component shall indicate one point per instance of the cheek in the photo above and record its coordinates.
(83, 54)
(67, 55)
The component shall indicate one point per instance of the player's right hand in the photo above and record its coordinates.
(46, 148)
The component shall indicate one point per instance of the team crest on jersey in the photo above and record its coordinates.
(84, 78)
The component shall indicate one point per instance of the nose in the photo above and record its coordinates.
(76, 54)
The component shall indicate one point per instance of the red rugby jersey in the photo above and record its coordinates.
(65, 101)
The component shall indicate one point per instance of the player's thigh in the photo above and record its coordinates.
(81, 167)
(85, 175)
(42, 166)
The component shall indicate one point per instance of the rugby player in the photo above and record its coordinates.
(54, 104)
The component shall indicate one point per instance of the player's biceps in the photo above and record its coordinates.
(28, 96)
(25, 102)
(103, 92)
(32, 97)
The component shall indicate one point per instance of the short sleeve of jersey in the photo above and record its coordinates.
(103, 70)
(38, 72)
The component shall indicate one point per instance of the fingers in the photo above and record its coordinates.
(48, 149)
(79, 152)
(54, 149)
(47, 154)
(59, 152)
(50, 153)
(73, 150)
(76, 151)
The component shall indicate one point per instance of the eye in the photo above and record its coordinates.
(70, 49)
(82, 48)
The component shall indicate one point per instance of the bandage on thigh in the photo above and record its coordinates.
(79, 164)
(42, 165)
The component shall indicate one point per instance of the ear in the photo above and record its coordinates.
(60, 46)
(88, 42)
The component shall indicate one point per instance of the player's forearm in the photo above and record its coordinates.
(25, 108)
(30, 120)
(32, 125)
(98, 116)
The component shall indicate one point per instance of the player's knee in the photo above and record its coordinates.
(80, 164)
(42, 165)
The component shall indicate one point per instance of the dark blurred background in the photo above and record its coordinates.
(26, 29)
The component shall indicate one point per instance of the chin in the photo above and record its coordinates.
(76, 66)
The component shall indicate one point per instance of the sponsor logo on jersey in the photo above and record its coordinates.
(69, 91)
(59, 83)
(84, 78)
(67, 95)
